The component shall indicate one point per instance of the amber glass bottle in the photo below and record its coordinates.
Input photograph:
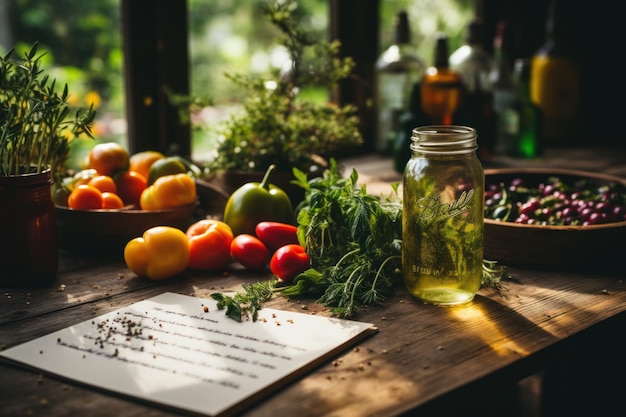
(441, 86)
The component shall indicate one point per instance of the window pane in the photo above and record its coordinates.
(82, 42)
(232, 36)
(426, 18)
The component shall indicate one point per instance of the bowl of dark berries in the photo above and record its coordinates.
(554, 218)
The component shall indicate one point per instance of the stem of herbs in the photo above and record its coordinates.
(380, 270)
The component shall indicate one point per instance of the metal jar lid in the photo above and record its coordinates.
(448, 139)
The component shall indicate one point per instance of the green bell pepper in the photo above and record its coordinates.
(255, 202)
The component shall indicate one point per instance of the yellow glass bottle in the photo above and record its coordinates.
(555, 83)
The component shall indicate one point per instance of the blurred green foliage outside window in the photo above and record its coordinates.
(84, 48)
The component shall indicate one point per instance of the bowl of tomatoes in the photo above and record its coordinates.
(554, 218)
(109, 230)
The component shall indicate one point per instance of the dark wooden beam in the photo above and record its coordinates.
(355, 23)
(156, 57)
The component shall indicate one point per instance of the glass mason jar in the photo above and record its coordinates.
(442, 221)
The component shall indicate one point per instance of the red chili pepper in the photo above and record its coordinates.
(289, 261)
(275, 234)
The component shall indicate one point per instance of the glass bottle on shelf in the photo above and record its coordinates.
(440, 86)
(475, 64)
(529, 131)
(413, 118)
(397, 69)
(504, 92)
(555, 80)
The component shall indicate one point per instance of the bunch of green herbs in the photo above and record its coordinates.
(354, 240)
(35, 127)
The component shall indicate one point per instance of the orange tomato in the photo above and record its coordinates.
(209, 244)
(108, 158)
(142, 161)
(130, 185)
(104, 183)
(111, 201)
(85, 197)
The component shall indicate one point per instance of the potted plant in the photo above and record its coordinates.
(35, 134)
(278, 125)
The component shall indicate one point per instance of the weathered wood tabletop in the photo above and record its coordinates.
(424, 360)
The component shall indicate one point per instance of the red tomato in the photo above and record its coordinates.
(130, 185)
(209, 244)
(289, 261)
(276, 234)
(249, 251)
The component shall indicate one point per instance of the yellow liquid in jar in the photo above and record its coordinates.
(444, 291)
(442, 232)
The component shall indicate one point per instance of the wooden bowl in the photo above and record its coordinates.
(106, 232)
(553, 247)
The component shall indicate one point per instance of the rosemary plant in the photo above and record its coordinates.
(277, 125)
(35, 127)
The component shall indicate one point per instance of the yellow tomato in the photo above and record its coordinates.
(162, 252)
(169, 191)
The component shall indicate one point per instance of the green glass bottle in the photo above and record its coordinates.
(442, 220)
(529, 142)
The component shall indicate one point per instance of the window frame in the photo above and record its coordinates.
(156, 56)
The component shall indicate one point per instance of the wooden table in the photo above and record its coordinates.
(425, 360)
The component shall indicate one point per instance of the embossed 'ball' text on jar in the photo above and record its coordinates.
(442, 221)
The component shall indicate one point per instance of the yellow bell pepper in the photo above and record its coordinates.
(168, 192)
(162, 252)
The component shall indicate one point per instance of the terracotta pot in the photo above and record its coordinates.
(28, 241)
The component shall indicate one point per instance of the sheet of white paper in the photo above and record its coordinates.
(168, 350)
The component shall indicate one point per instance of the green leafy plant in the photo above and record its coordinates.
(277, 125)
(35, 127)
